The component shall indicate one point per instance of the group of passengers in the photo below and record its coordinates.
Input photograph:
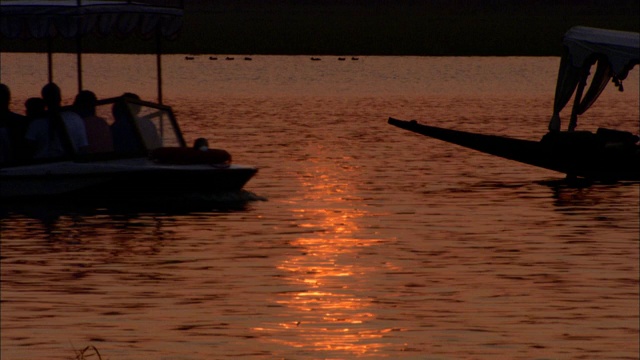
(47, 131)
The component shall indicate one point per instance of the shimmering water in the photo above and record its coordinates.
(372, 242)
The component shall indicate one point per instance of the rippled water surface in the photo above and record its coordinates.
(362, 240)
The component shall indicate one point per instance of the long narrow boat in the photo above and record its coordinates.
(607, 154)
(159, 164)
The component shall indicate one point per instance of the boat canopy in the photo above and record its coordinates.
(49, 19)
(614, 52)
(42, 19)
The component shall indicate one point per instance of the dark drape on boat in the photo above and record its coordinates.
(568, 79)
(600, 80)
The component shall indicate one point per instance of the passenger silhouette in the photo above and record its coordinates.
(59, 133)
(126, 137)
(12, 129)
(98, 131)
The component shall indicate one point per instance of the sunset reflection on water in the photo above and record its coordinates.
(332, 311)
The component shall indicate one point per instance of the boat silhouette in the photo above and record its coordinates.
(606, 155)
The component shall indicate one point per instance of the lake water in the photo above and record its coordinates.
(363, 240)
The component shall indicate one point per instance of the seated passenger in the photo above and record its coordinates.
(12, 129)
(35, 108)
(60, 133)
(124, 135)
(126, 138)
(147, 129)
(98, 132)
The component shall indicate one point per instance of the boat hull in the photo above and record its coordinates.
(126, 179)
(579, 154)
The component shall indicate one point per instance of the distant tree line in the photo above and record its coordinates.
(373, 27)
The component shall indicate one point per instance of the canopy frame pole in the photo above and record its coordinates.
(159, 63)
(79, 61)
(49, 60)
(79, 50)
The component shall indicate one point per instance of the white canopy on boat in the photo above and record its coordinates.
(620, 48)
(615, 52)
(70, 18)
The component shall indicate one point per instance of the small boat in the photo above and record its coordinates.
(607, 155)
(189, 58)
(156, 160)
(315, 59)
(213, 58)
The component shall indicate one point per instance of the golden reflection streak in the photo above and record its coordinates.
(331, 313)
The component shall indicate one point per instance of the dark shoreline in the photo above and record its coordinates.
(370, 27)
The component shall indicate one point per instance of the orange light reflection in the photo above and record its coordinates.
(333, 312)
